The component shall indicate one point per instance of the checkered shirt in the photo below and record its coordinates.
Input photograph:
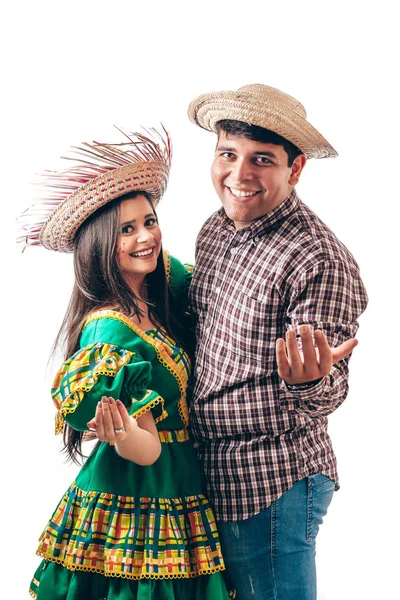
(255, 436)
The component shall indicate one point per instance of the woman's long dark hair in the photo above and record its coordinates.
(99, 283)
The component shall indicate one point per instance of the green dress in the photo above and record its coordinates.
(123, 531)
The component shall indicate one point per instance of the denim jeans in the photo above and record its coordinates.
(271, 556)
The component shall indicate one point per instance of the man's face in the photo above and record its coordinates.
(252, 178)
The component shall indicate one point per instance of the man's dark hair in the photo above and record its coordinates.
(259, 134)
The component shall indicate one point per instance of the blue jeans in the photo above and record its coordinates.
(271, 556)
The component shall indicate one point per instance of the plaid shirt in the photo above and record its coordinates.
(255, 436)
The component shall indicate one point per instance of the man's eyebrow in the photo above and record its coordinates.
(134, 220)
(226, 149)
(270, 154)
(259, 153)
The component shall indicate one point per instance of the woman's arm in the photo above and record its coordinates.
(135, 440)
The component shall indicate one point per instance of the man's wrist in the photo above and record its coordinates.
(302, 386)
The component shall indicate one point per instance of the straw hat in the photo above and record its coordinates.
(100, 172)
(266, 107)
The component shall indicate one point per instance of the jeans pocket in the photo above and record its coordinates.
(319, 495)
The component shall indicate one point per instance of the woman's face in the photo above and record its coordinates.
(139, 240)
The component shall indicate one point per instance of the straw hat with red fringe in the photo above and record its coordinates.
(100, 172)
(266, 107)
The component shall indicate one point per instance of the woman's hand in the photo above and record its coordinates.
(313, 363)
(112, 422)
(135, 440)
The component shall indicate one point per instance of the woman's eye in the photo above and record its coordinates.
(127, 229)
(151, 222)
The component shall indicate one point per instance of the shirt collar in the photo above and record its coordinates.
(260, 226)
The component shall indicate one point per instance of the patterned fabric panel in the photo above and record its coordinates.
(177, 354)
(80, 373)
(168, 436)
(182, 363)
(133, 537)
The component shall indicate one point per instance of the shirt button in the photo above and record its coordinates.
(217, 290)
(234, 250)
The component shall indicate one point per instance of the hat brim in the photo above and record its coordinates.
(206, 110)
(59, 231)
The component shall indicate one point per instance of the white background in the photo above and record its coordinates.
(72, 70)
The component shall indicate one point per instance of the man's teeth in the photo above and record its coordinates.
(241, 194)
(144, 253)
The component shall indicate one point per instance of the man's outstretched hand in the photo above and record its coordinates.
(297, 367)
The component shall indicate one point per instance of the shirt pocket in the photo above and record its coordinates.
(252, 329)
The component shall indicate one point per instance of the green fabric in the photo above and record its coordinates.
(174, 475)
(61, 584)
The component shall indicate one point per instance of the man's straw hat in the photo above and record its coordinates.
(266, 107)
(100, 172)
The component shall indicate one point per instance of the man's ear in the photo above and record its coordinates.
(297, 167)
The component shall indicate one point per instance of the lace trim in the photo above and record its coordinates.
(167, 263)
(198, 573)
(144, 409)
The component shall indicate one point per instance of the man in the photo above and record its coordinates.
(267, 268)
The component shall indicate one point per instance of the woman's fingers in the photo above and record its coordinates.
(127, 420)
(108, 422)
(117, 422)
(99, 423)
(107, 418)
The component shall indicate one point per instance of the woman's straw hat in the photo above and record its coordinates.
(101, 172)
(266, 107)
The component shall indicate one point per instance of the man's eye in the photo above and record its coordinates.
(227, 155)
(263, 160)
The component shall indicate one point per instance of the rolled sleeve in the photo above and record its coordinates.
(329, 297)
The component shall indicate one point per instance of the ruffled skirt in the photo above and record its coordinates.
(101, 546)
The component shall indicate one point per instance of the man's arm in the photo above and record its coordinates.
(326, 302)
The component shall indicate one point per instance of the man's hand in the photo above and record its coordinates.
(313, 363)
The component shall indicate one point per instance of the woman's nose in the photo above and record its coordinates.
(144, 235)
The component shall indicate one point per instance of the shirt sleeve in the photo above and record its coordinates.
(329, 297)
(103, 370)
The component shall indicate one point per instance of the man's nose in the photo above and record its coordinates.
(242, 170)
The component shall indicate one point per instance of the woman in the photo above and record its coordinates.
(134, 524)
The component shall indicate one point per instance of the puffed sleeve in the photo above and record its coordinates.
(103, 370)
